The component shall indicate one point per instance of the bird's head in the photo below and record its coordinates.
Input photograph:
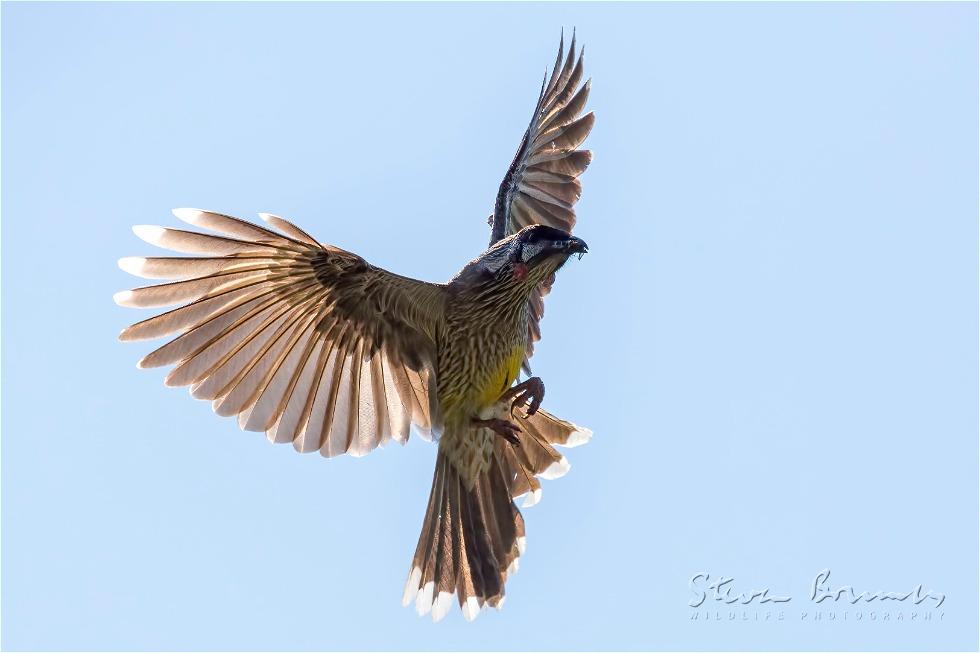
(528, 257)
(543, 247)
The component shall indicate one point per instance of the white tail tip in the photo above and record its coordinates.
(411, 586)
(423, 602)
(556, 469)
(580, 435)
(531, 498)
(440, 608)
(471, 608)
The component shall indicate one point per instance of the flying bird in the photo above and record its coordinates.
(315, 346)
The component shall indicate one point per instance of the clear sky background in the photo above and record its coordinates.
(774, 336)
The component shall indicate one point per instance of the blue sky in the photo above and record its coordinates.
(774, 336)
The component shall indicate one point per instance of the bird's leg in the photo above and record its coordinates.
(532, 389)
(504, 428)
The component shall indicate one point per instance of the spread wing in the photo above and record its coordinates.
(542, 186)
(306, 342)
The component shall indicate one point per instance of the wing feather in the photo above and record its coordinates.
(290, 229)
(306, 342)
(399, 401)
(181, 292)
(549, 146)
(230, 226)
(156, 267)
(191, 242)
(192, 314)
(541, 186)
(270, 403)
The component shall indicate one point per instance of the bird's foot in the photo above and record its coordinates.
(532, 389)
(504, 428)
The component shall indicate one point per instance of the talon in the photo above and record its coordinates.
(518, 401)
(532, 389)
(535, 404)
(503, 428)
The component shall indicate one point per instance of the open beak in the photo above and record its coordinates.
(577, 246)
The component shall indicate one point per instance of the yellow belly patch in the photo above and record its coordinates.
(502, 378)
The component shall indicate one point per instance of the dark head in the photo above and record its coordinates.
(539, 244)
(526, 258)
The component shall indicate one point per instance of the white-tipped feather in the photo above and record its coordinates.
(556, 469)
(289, 229)
(579, 436)
(423, 602)
(195, 313)
(411, 586)
(234, 227)
(133, 264)
(149, 233)
(190, 216)
(187, 267)
(191, 242)
(441, 605)
(471, 608)
(532, 498)
(184, 292)
(244, 416)
(123, 298)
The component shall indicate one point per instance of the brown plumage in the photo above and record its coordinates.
(304, 342)
(312, 345)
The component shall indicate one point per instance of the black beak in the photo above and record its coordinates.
(577, 246)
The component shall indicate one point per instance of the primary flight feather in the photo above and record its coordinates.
(313, 345)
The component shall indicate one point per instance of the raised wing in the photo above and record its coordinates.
(542, 186)
(306, 342)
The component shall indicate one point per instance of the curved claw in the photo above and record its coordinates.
(504, 428)
(532, 389)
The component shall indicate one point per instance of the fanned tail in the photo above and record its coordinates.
(472, 538)
(537, 456)
(470, 542)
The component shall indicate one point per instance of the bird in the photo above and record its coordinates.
(314, 346)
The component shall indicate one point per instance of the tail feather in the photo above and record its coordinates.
(469, 543)
(537, 456)
(473, 534)
(553, 430)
